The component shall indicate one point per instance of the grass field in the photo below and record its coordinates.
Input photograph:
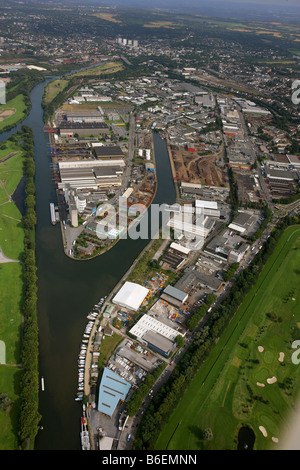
(11, 291)
(108, 67)
(12, 112)
(227, 392)
(11, 302)
(108, 345)
(11, 230)
(54, 88)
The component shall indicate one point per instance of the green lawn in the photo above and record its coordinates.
(9, 384)
(108, 345)
(11, 171)
(11, 292)
(225, 393)
(11, 230)
(18, 107)
(108, 67)
(54, 88)
(11, 303)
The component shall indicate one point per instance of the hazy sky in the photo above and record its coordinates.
(207, 2)
(267, 2)
(270, 2)
(203, 3)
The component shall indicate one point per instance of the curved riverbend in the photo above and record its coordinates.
(68, 290)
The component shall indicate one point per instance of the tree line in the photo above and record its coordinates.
(29, 417)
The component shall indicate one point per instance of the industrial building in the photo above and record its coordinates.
(206, 100)
(113, 388)
(294, 160)
(200, 279)
(174, 296)
(73, 212)
(90, 163)
(69, 129)
(155, 334)
(245, 223)
(106, 151)
(80, 116)
(90, 176)
(278, 174)
(208, 208)
(192, 228)
(227, 246)
(131, 296)
(158, 343)
(172, 259)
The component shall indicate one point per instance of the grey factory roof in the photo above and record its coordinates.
(84, 112)
(281, 174)
(158, 341)
(106, 150)
(107, 171)
(205, 280)
(83, 125)
(76, 173)
(176, 293)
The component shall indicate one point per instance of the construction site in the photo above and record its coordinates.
(201, 164)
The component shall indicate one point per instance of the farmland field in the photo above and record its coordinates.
(249, 378)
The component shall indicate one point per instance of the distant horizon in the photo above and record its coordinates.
(275, 10)
(170, 4)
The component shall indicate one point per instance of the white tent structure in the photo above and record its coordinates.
(130, 296)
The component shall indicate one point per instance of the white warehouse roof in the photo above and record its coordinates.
(147, 323)
(180, 248)
(236, 227)
(206, 204)
(131, 295)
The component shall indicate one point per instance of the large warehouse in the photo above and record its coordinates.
(131, 296)
(68, 129)
(107, 151)
(113, 388)
(90, 177)
(90, 163)
(82, 115)
(155, 334)
(174, 296)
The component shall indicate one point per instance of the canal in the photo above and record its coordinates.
(67, 289)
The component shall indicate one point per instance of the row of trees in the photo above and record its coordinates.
(200, 312)
(136, 400)
(233, 267)
(29, 390)
(169, 395)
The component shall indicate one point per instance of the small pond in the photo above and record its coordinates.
(246, 438)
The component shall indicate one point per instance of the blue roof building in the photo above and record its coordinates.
(113, 388)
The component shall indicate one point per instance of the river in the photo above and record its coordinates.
(68, 289)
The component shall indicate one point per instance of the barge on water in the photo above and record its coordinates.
(84, 434)
(54, 214)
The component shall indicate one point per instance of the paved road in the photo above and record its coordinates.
(5, 259)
